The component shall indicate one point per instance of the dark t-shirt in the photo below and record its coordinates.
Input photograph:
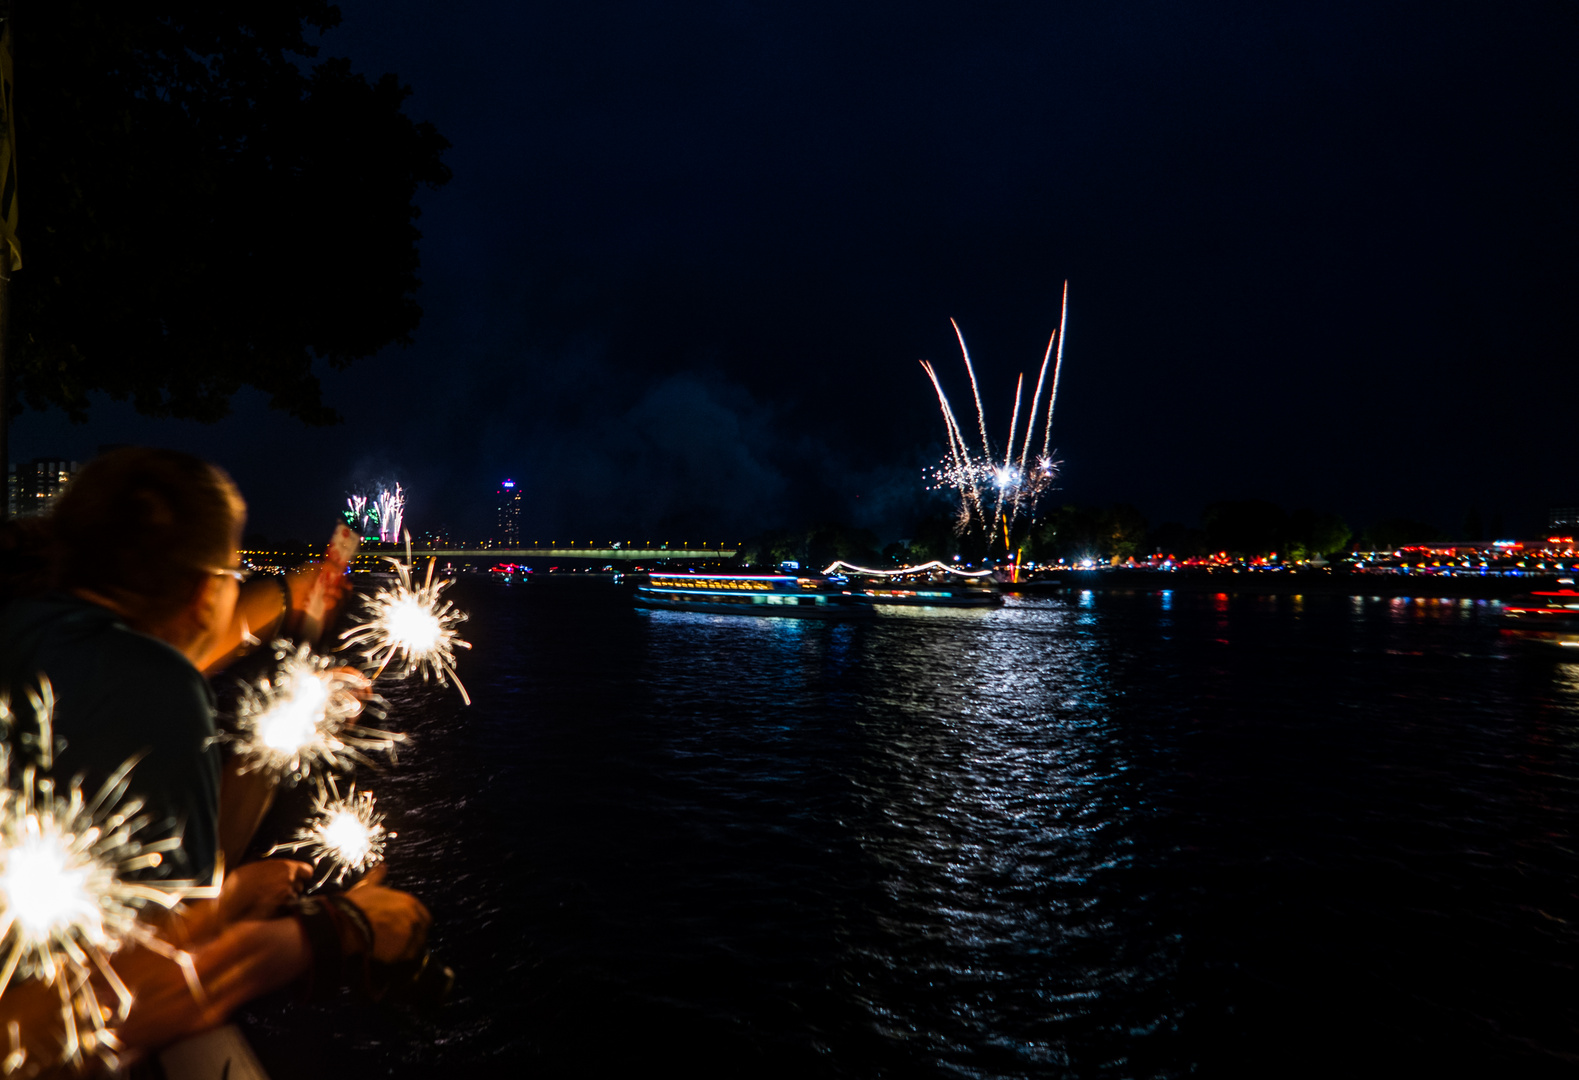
(118, 693)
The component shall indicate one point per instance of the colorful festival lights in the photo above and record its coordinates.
(839, 566)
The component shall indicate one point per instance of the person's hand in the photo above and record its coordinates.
(301, 581)
(350, 691)
(399, 920)
(258, 890)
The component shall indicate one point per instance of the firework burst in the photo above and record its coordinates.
(66, 902)
(411, 626)
(302, 718)
(356, 513)
(391, 513)
(995, 488)
(348, 833)
(382, 515)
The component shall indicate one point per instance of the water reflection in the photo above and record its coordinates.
(1101, 835)
(995, 810)
(982, 786)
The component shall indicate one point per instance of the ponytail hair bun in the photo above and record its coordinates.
(145, 527)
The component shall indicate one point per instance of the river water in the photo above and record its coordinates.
(1109, 834)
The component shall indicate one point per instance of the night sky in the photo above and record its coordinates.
(1322, 254)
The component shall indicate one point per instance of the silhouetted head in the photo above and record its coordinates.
(147, 530)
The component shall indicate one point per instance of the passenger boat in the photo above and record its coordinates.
(752, 594)
(933, 584)
(1549, 617)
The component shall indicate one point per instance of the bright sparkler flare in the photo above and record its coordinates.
(412, 626)
(66, 902)
(50, 887)
(346, 832)
(303, 717)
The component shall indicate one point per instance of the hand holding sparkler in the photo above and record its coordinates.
(399, 920)
(346, 833)
(66, 899)
(260, 890)
(303, 718)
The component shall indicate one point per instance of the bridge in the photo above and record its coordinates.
(614, 551)
(609, 553)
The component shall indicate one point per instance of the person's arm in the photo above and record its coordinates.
(248, 958)
(240, 963)
(255, 890)
(234, 961)
(244, 800)
(243, 961)
(261, 611)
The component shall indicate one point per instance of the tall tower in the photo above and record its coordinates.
(509, 521)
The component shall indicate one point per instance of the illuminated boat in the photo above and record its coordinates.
(752, 594)
(1547, 617)
(933, 584)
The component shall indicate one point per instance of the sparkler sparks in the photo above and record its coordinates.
(302, 718)
(66, 904)
(413, 626)
(996, 489)
(347, 832)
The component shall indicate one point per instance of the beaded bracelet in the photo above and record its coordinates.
(354, 915)
(323, 938)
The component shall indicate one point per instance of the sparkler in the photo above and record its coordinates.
(302, 718)
(347, 832)
(413, 626)
(66, 904)
(996, 489)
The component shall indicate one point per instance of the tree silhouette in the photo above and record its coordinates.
(205, 208)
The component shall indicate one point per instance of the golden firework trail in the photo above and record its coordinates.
(1017, 484)
(1058, 367)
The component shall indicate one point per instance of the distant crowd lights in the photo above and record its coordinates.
(1482, 558)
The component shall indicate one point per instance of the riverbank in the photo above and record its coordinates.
(1286, 582)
